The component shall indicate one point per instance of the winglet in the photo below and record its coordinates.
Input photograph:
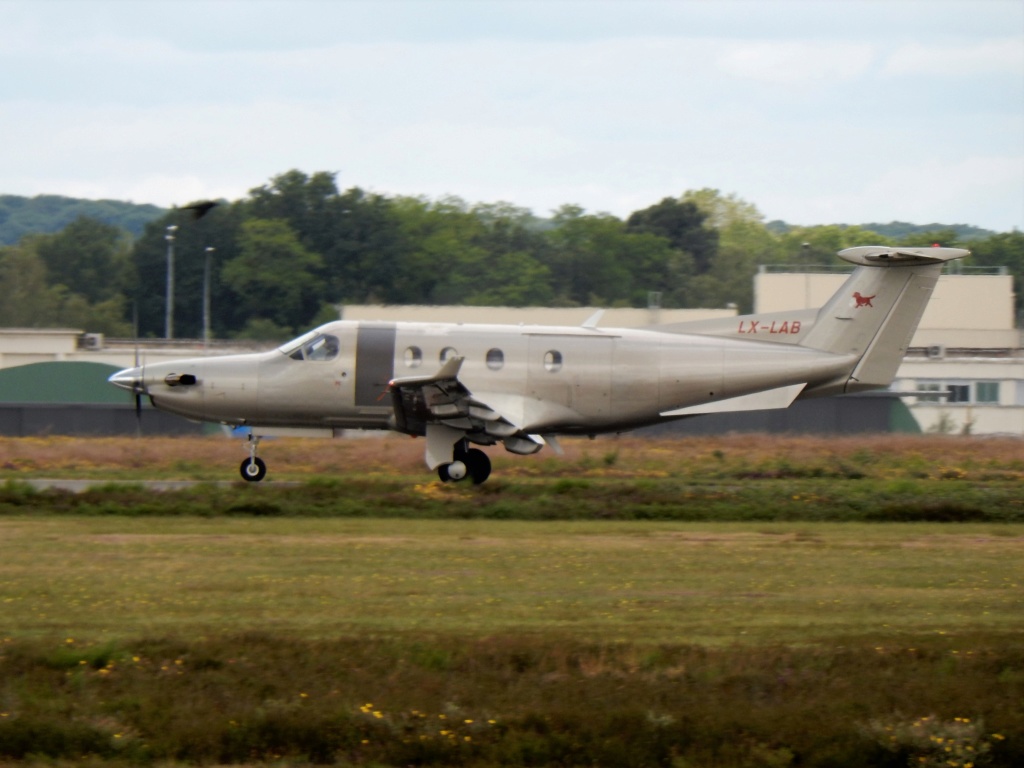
(593, 320)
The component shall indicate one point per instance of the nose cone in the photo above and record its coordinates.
(129, 379)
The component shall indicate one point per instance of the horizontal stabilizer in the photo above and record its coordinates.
(884, 256)
(770, 399)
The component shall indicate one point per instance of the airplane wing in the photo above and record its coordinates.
(439, 404)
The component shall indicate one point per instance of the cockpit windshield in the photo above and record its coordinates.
(290, 346)
(312, 346)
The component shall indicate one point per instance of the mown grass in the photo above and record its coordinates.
(398, 642)
(712, 584)
(595, 609)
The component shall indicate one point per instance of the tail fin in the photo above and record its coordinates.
(875, 313)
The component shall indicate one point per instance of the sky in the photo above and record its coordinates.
(815, 111)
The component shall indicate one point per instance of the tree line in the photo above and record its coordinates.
(288, 254)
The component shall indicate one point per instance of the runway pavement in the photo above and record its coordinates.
(79, 486)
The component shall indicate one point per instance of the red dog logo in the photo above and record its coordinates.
(863, 301)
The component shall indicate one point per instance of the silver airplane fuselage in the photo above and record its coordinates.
(561, 380)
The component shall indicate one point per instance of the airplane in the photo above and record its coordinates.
(467, 385)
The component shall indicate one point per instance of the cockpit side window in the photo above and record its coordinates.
(317, 346)
(323, 347)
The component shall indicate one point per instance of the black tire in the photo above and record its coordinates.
(478, 465)
(253, 470)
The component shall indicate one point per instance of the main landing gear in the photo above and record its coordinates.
(253, 469)
(467, 462)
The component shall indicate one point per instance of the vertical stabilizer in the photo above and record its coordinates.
(876, 312)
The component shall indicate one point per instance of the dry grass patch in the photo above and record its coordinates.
(216, 457)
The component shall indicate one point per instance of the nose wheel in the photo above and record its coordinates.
(253, 469)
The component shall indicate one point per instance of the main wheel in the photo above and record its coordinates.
(253, 470)
(478, 465)
(453, 472)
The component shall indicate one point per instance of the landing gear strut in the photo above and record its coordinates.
(468, 462)
(253, 469)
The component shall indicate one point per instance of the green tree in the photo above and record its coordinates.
(275, 277)
(89, 257)
(744, 243)
(366, 245)
(307, 203)
(584, 260)
(438, 255)
(946, 237)
(820, 244)
(31, 302)
(683, 224)
(28, 299)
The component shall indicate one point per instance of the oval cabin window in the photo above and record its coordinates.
(495, 359)
(552, 361)
(413, 357)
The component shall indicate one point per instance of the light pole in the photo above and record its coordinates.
(169, 311)
(206, 296)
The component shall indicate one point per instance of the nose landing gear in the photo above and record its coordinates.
(253, 469)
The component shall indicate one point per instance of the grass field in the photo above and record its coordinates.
(708, 603)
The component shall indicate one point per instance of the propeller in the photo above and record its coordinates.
(137, 388)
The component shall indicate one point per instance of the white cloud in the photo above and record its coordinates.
(800, 111)
(994, 56)
(789, 62)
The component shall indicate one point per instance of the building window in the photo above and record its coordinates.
(928, 393)
(986, 392)
(413, 357)
(448, 353)
(958, 393)
(552, 361)
(495, 359)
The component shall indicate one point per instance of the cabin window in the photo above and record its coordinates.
(495, 359)
(413, 357)
(552, 361)
(448, 353)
